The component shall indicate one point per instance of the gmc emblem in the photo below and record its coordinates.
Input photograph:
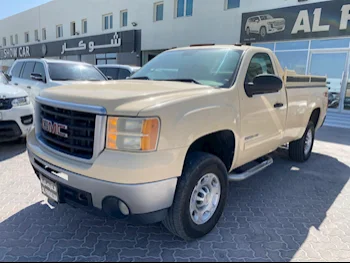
(54, 128)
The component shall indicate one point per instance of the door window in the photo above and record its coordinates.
(16, 71)
(28, 70)
(260, 64)
(110, 72)
(123, 73)
(39, 69)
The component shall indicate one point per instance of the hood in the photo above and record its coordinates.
(125, 97)
(70, 82)
(10, 92)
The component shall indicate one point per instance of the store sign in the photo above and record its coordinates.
(320, 20)
(117, 42)
(14, 53)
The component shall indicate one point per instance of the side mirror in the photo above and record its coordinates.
(8, 77)
(109, 78)
(37, 77)
(264, 84)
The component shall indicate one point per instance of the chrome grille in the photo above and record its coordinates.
(80, 131)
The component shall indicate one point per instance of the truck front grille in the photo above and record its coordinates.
(70, 132)
(5, 104)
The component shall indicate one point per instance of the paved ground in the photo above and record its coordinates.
(288, 212)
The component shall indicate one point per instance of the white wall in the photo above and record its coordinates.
(210, 23)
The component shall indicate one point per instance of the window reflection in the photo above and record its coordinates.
(293, 60)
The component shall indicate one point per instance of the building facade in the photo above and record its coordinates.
(309, 36)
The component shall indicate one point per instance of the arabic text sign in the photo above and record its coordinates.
(319, 20)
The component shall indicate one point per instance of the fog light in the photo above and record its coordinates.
(123, 208)
(27, 120)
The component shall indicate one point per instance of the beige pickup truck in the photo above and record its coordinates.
(164, 145)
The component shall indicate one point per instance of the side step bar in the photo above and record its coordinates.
(263, 164)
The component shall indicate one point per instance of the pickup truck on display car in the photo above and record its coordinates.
(163, 145)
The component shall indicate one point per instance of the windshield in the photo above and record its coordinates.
(3, 79)
(212, 67)
(266, 17)
(74, 72)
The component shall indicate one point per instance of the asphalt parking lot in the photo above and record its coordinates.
(289, 212)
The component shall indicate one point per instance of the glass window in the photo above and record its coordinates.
(233, 4)
(16, 39)
(4, 41)
(106, 24)
(123, 73)
(180, 8)
(16, 71)
(59, 31)
(260, 64)
(270, 46)
(111, 61)
(292, 45)
(72, 29)
(111, 55)
(74, 72)
(293, 60)
(124, 18)
(330, 43)
(108, 21)
(44, 33)
(213, 67)
(11, 40)
(84, 26)
(331, 65)
(100, 56)
(159, 11)
(189, 7)
(26, 37)
(28, 70)
(39, 69)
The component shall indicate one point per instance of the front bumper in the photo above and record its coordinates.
(14, 123)
(277, 29)
(143, 198)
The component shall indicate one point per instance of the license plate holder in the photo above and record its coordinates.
(49, 188)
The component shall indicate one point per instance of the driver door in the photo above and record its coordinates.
(263, 117)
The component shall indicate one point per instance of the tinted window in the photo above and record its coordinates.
(39, 69)
(110, 72)
(212, 67)
(123, 73)
(233, 4)
(74, 72)
(260, 64)
(16, 71)
(28, 70)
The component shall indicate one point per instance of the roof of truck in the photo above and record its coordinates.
(235, 46)
(50, 61)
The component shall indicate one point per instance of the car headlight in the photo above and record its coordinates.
(20, 102)
(132, 134)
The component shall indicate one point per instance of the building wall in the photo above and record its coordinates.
(210, 22)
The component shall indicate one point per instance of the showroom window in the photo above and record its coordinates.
(103, 59)
(43, 32)
(26, 37)
(330, 43)
(230, 4)
(59, 31)
(159, 11)
(296, 45)
(124, 18)
(84, 26)
(293, 60)
(265, 45)
(107, 21)
(184, 8)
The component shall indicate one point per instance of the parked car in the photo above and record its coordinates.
(163, 145)
(16, 111)
(264, 24)
(34, 75)
(116, 72)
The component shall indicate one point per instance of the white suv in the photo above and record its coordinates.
(264, 24)
(33, 75)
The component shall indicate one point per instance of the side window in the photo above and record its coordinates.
(16, 71)
(28, 70)
(260, 64)
(123, 73)
(113, 72)
(39, 69)
(104, 71)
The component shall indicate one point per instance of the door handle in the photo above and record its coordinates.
(29, 87)
(278, 105)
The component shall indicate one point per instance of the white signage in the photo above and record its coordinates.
(115, 42)
(20, 52)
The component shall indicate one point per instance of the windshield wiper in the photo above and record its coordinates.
(144, 78)
(184, 80)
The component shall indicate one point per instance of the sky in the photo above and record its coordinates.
(17, 6)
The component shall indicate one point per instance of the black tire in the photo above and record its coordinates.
(297, 148)
(179, 220)
(263, 32)
(248, 31)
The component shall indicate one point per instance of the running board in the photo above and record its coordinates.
(263, 164)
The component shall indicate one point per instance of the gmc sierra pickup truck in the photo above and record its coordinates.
(164, 145)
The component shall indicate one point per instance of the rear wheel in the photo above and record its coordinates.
(301, 150)
(200, 197)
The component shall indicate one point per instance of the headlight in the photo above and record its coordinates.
(132, 134)
(20, 102)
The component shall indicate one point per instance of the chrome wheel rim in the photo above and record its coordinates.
(263, 32)
(205, 199)
(308, 142)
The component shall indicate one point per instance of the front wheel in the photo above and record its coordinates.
(300, 150)
(263, 32)
(248, 31)
(200, 197)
